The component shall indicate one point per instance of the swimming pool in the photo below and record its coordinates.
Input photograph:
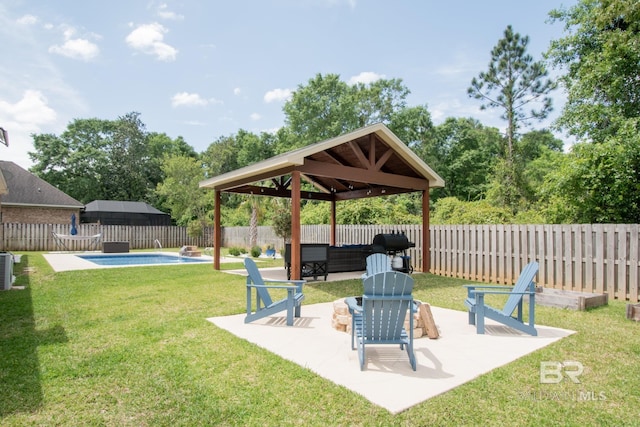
(140, 259)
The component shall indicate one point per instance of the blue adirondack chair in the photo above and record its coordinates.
(380, 318)
(478, 310)
(264, 304)
(377, 263)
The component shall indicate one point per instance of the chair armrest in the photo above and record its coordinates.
(296, 287)
(492, 289)
(352, 304)
(296, 282)
(487, 286)
(473, 291)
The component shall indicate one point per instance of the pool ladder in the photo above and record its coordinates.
(157, 245)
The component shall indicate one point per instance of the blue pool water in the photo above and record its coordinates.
(140, 259)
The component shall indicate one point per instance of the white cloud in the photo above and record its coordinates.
(76, 49)
(186, 99)
(31, 110)
(255, 116)
(27, 20)
(165, 13)
(21, 120)
(276, 95)
(148, 39)
(237, 91)
(365, 77)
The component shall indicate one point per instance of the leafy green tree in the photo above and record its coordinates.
(464, 153)
(601, 56)
(414, 127)
(517, 85)
(128, 159)
(281, 219)
(97, 159)
(540, 153)
(327, 107)
(161, 146)
(232, 152)
(220, 156)
(77, 162)
(189, 205)
(598, 183)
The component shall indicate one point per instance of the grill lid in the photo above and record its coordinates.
(391, 242)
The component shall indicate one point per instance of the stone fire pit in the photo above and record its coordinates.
(422, 320)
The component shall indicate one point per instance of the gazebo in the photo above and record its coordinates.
(369, 162)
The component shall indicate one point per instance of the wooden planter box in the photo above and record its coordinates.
(569, 299)
(633, 312)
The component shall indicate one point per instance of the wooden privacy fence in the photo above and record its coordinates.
(39, 237)
(598, 258)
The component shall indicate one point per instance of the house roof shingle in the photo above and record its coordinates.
(26, 189)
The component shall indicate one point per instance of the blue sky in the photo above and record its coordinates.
(205, 69)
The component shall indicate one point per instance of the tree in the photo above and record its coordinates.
(601, 55)
(281, 219)
(129, 156)
(189, 204)
(161, 146)
(463, 152)
(414, 127)
(598, 181)
(77, 161)
(541, 153)
(516, 84)
(97, 159)
(327, 107)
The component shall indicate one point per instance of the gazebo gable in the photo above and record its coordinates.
(368, 162)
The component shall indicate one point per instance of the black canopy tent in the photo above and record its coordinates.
(113, 212)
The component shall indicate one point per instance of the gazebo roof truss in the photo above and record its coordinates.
(369, 162)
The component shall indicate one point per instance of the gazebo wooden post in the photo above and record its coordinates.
(295, 225)
(332, 220)
(426, 236)
(217, 231)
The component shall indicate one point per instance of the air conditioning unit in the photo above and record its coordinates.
(6, 271)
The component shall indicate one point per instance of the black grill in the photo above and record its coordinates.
(395, 245)
(394, 242)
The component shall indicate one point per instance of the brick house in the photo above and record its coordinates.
(25, 198)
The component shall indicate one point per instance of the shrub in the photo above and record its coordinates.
(235, 251)
(256, 251)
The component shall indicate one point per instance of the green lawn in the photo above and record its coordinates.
(131, 346)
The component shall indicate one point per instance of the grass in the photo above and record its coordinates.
(131, 346)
